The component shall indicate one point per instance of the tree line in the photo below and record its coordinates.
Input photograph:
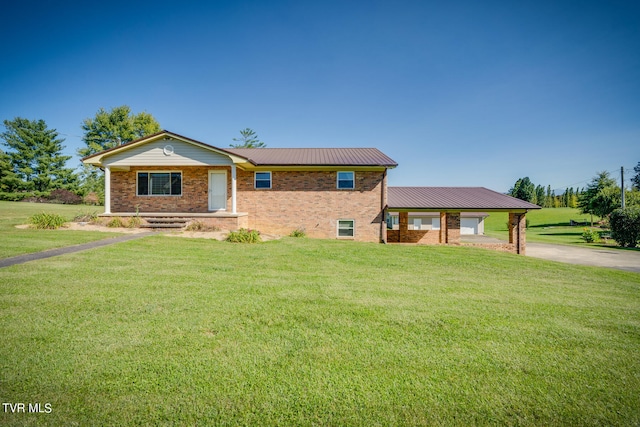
(544, 197)
(33, 167)
(602, 197)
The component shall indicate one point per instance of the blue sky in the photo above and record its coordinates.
(459, 93)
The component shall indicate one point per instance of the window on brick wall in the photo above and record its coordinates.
(346, 227)
(159, 183)
(262, 179)
(346, 180)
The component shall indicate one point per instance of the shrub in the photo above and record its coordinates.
(45, 220)
(298, 232)
(65, 197)
(589, 235)
(134, 222)
(115, 222)
(92, 199)
(200, 226)
(625, 226)
(86, 217)
(26, 196)
(244, 236)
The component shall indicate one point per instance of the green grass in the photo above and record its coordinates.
(169, 331)
(546, 226)
(22, 241)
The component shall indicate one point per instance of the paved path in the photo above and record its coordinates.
(613, 258)
(6, 262)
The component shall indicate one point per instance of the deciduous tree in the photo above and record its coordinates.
(108, 129)
(523, 189)
(599, 198)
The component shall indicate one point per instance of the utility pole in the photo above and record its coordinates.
(622, 184)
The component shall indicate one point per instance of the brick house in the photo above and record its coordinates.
(329, 192)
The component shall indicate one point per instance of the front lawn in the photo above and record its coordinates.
(173, 331)
(23, 241)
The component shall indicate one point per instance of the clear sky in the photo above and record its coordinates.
(459, 93)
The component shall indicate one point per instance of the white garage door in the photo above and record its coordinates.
(469, 226)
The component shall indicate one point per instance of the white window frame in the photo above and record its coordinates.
(255, 180)
(149, 183)
(352, 228)
(353, 180)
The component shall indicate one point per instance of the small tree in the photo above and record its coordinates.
(540, 196)
(625, 226)
(248, 139)
(548, 200)
(598, 197)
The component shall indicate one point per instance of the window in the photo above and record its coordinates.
(346, 227)
(346, 180)
(159, 183)
(263, 179)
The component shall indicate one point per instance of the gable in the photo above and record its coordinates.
(159, 153)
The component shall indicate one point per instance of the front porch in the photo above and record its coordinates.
(221, 220)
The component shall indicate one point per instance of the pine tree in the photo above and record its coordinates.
(599, 198)
(248, 139)
(36, 156)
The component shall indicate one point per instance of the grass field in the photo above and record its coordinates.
(19, 241)
(546, 226)
(172, 331)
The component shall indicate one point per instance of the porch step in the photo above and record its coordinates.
(165, 222)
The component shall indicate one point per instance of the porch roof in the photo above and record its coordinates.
(453, 198)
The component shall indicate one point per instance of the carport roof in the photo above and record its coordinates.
(453, 198)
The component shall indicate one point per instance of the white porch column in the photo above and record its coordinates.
(233, 188)
(107, 190)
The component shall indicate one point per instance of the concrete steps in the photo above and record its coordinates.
(157, 223)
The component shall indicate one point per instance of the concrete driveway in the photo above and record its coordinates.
(628, 260)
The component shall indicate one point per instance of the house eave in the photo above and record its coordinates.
(98, 158)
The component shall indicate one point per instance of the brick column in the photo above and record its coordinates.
(443, 227)
(453, 228)
(403, 226)
(517, 231)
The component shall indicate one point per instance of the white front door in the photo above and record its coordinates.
(217, 190)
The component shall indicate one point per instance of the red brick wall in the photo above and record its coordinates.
(310, 200)
(195, 197)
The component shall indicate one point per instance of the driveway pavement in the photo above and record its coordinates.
(628, 260)
(6, 262)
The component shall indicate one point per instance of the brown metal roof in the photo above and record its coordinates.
(314, 156)
(284, 156)
(452, 198)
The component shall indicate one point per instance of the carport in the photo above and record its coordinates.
(450, 203)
